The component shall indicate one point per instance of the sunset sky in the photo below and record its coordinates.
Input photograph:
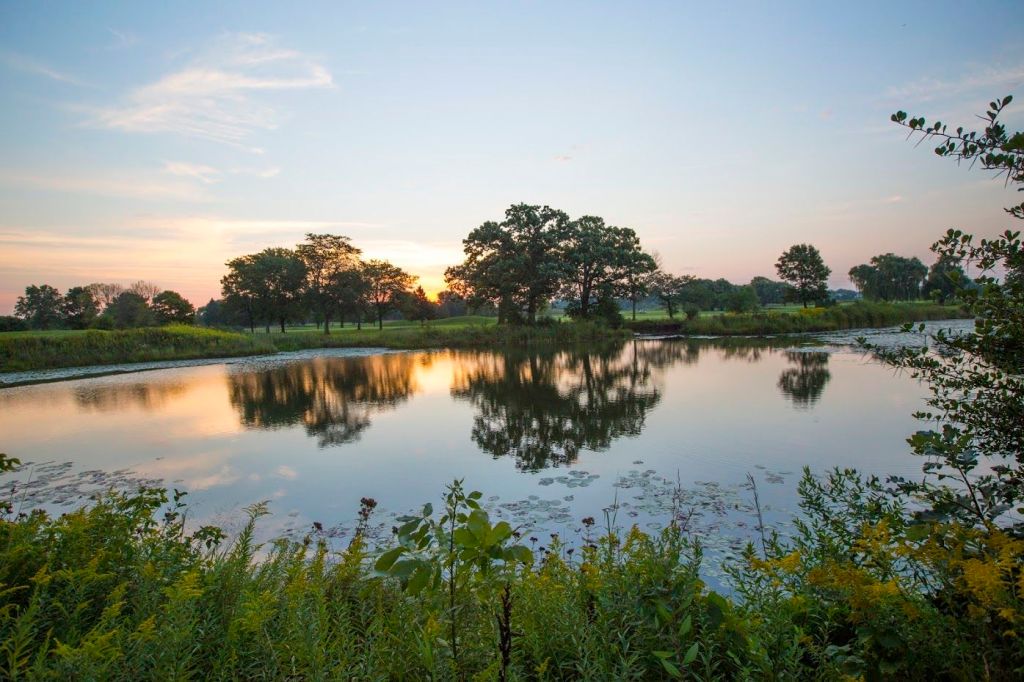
(155, 141)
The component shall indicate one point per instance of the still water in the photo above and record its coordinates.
(639, 428)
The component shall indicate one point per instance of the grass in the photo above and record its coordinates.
(800, 320)
(123, 590)
(25, 351)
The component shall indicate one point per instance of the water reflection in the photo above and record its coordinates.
(333, 398)
(542, 408)
(117, 397)
(805, 383)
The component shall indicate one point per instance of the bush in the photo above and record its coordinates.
(9, 323)
(692, 311)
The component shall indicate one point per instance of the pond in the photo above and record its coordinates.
(640, 430)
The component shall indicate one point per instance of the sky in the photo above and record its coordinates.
(158, 140)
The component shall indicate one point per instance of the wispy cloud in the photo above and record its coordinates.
(928, 89)
(122, 39)
(215, 96)
(144, 186)
(28, 65)
(209, 175)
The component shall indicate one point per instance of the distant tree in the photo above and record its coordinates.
(450, 304)
(769, 291)
(146, 290)
(803, 267)
(889, 277)
(9, 323)
(105, 292)
(40, 307)
(417, 306)
(699, 292)
(514, 265)
(171, 307)
(742, 300)
(667, 289)
(636, 284)
(945, 278)
(129, 309)
(385, 285)
(843, 295)
(213, 314)
(597, 259)
(332, 286)
(79, 308)
(266, 286)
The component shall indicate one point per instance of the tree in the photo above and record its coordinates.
(597, 260)
(803, 267)
(770, 292)
(385, 285)
(514, 265)
(332, 282)
(889, 277)
(129, 309)
(171, 307)
(417, 306)
(450, 304)
(146, 290)
(975, 450)
(40, 307)
(636, 285)
(105, 292)
(79, 308)
(742, 300)
(667, 288)
(945, 277)
(266, 286)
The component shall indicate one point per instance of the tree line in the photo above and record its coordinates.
(100, 305)
(323, 278)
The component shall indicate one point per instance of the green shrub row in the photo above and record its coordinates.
(834, 318)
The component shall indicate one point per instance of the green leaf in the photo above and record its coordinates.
(522, 554)
(418, 580)
(388, 558)
(684, 629)
(428, 509)
(691, 654)
(479, 524)
(670, 667)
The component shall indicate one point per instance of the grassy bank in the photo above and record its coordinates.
(122, 591)
(22, 351)
(850, 316)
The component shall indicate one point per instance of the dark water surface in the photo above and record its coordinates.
(548, 437)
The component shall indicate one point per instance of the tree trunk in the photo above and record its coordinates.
(282, 325)
(327, 324)
(634, 310)
(268, 326)
(380, 318)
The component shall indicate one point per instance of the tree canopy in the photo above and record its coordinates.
(802, 266)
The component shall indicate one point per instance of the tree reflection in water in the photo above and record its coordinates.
(333, 398)
(542, 408)
(805, 383)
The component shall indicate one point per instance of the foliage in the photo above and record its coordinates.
(40, 307)
(416, 306)
(129, 309)
(333, 283)
(668, 289)
(514, 265)
(848, 316)
(9, 323)
(385, 286)
(889, 277)
(975, 448)
(801, 265)
(79, 308)
(170, 307)
(771, 292)
(742, 300)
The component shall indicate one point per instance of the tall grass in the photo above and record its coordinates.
(852, 316)
(118, 591)
(20, 352)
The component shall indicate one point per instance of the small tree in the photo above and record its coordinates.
(40, 307)
(385, 284)
(79, 308)
(129, 309)
(147, 290)
(418, 307)
(171, 307)
(667, 289)
(742, 300)
(803, 267)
